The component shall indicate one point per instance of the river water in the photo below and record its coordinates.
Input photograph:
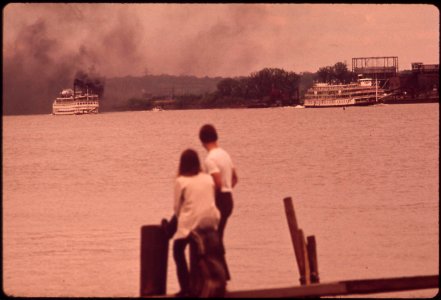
(364, 182)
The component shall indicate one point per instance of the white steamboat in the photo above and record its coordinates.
(75, 102)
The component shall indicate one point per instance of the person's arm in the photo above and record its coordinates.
(179, 194)
(214, 171)
(217, 180)
(234, 178)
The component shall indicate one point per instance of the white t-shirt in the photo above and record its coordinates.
(219, 161)
(194, 203)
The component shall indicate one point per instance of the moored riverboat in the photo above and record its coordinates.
(363, 92)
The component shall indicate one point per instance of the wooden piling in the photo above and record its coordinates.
(154, 255)
(305, 251)
(312, 257)
(305, 276)
(295, 239)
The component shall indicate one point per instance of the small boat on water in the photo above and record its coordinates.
(363, 92)
(75, 102)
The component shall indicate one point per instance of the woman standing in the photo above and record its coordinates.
(194, 206)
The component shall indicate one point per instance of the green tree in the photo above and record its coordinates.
(306, 82)
(342, 74)
(325, 74)
(340, 70)
(226, 86)
(338, 73)
(277, 84)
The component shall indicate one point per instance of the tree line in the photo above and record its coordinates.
(265, 88)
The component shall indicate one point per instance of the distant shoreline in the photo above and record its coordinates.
(123, 109)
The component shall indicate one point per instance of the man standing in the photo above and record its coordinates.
(219, 165)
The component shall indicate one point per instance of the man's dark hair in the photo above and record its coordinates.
(208, 134)
(189, 164)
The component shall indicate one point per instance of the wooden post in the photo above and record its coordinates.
(296, 241)
(306, 275)
(154, 255)
(312, 256)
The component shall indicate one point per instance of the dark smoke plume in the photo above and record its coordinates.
(32, 77)
(93, 83)
(39, 61)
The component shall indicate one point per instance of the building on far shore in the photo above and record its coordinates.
(418, 85)
(380, 68)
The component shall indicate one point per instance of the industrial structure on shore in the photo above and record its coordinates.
(418, 85)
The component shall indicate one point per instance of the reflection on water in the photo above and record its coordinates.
(77, 189)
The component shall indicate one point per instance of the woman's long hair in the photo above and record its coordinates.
(189, 164)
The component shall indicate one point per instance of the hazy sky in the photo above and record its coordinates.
(215, 39)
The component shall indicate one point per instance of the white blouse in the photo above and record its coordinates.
(194, 203)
